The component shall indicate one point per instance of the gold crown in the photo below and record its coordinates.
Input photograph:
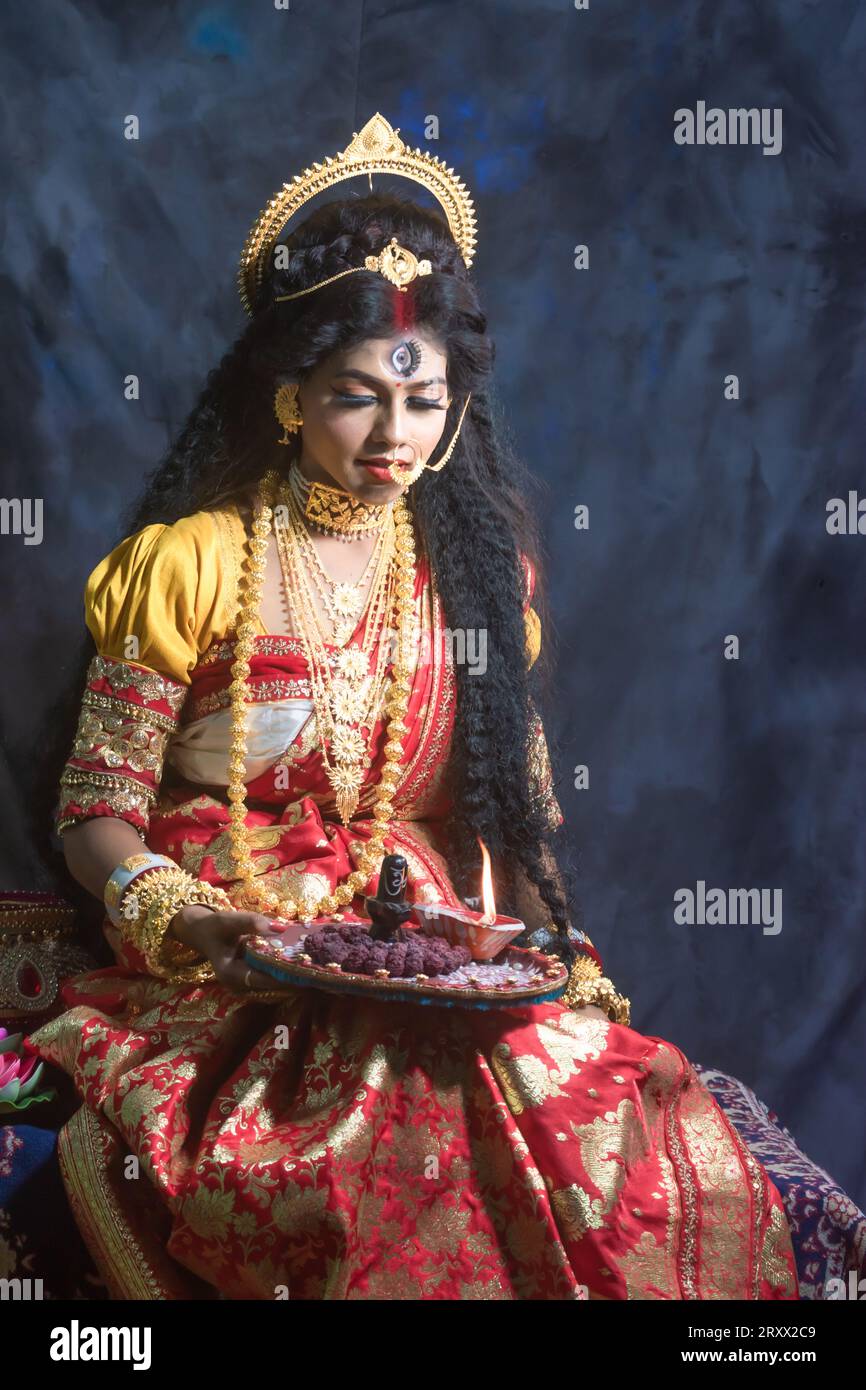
(377, 149)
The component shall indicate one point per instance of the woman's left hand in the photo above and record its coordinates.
(591, 1011)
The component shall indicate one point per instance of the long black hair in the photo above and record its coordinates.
(473, 517)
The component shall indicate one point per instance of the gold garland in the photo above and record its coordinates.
(396, 702)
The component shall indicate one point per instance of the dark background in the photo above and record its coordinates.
(707, 516)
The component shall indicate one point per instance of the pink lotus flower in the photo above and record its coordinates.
(19, 1076)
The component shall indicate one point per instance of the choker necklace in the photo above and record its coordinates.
(335, 512)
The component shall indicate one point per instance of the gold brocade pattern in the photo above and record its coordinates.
(609, 1146)
(87, 1150)
(118, 740)
(577, 1212)
(529, 1080)
(126, 797)
(710, 1149)
(540, 776)
(149, 685)
(268, 644)
(775, 1265)
(426, 769)
(332, 1148)
(128, 713)
(647, 1267)
(262, 691)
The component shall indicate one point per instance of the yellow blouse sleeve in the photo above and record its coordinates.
(153, 605)
(162, 596)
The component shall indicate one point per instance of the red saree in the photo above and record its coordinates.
(325, 1147)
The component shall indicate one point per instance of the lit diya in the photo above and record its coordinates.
(485, 933)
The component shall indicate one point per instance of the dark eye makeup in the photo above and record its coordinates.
(419, 402)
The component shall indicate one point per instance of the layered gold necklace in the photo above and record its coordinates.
(347, 705)
(346, 767)
(343, 602)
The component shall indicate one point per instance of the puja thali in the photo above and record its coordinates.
(517, 975)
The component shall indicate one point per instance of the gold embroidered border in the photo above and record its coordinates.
(148, 684)
(267, 643)
(429, 752)
(280, 688)
(116, 742)
(660, 1092)
(759, 1192)
(88, 789)
(732, 1197)
(686, 1183)
(85, 1147)
(126, 710)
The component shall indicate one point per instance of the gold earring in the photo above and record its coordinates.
(287, 411)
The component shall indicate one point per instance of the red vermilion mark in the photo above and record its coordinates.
(404, 310)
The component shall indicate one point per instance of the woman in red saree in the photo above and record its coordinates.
(239, 1143)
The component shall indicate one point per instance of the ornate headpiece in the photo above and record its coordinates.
(377, 149)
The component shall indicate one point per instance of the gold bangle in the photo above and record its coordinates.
(584, 990)
(159, 896)
(160, 960)
(159, 956)
(172, 950)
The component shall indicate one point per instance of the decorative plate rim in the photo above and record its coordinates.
(408, 989)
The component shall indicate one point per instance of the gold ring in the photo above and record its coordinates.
(247, 979)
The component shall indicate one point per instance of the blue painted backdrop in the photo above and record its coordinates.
(706, 515)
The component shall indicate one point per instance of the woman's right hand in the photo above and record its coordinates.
(217, 937)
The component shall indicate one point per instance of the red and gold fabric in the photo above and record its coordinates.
(325, 1146)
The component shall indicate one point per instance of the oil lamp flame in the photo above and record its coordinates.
(489, 914)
